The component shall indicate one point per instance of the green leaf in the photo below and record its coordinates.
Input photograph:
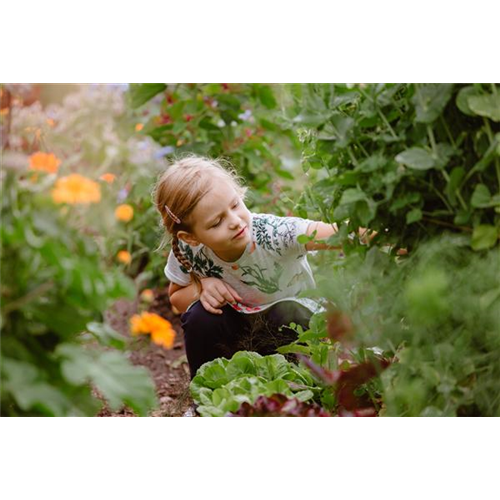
(242, 363)
(481, 197)
(375, 162)
(445, 152)
(413, 215)
(116, 379)
(484, 236)
(352, 196)
(463, 99)
(309, 119)
(30, 392)
(285, 174)
(365, 211)
(416, 158)
(456, 176)
(143, 92)
(486, 105)
(341, 127)
(106, 335)
(266, 97)
(430, 100)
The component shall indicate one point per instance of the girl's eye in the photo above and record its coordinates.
(234, 206)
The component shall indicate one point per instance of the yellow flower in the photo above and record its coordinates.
(124, 256)
(75, 189)
(139, 127)
(47, 162)
(124, 212)
(161, 330)
(107, 177)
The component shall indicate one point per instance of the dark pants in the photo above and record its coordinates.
(208, 336)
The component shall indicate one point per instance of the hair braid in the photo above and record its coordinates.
(184, 261)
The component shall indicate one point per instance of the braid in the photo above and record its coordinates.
(184, 261)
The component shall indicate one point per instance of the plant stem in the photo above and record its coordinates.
(492, 140)
(380, 113)
(447, 130)
(21, 301)
(447, 224)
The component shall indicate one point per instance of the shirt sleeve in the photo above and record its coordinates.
(289, 232)
(174, 272)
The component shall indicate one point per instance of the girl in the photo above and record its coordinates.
(233, 274)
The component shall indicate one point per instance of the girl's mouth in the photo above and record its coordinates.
(240, 234)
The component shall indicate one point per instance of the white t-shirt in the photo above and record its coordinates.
(273, 267)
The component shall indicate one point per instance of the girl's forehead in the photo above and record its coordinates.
(219, 193)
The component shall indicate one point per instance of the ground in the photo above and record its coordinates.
(169, 369)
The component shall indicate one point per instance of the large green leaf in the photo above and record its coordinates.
(142, 92)
(430, 100)
(484, 236)
(463, 99)
(481, 197)
(416, 158)
(486, 105)
(26, 385)
(112, 374)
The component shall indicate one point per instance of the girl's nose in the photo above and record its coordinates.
(235, 221)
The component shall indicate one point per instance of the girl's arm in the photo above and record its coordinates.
(324, 231)
(182, 296)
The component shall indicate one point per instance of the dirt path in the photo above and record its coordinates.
(169, 369)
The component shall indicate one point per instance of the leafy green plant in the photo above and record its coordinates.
(55, 286)
(436, 313)
(407, 160)
(222, 385)
(234, 121)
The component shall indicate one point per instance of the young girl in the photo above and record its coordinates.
(234, 274)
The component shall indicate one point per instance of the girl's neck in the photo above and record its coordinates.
(230, 257)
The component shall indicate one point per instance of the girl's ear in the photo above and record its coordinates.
(188, 238)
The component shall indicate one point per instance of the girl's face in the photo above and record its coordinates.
(220, 221)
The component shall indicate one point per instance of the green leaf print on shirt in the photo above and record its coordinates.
(287, 235)
(201, 262)
(295, 279)
(268, 285)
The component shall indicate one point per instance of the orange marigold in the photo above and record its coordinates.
(46, 162)
(161, 330)
(124, 212)
(139, 127)
(124, 256)
(75, 189)
(107, 177)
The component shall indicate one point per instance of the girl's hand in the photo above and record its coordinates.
(216, 293)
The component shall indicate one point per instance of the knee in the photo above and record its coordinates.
(284, 313)
(198, 319)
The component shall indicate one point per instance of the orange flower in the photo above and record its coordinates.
(75, 189)
(147, 295)
(107, 177)
(124, 256)
(160, 329)
(51, 122)
(124, 212)
(139, 127)
(47, 162)
(164, 338)
(4, 111)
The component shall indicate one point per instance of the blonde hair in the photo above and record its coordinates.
(178, 191)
